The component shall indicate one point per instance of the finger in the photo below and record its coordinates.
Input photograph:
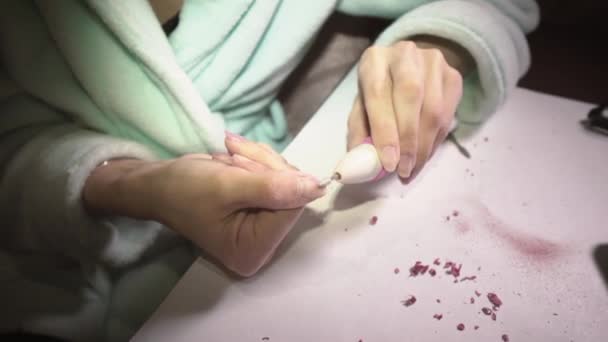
(272, 190)
(202, 156)
(375, 86)
(452, 89)
(432, 117)
(277, 155)
(254, 151)
(452, 93)
(408, 93)
(247, 164)
(223, 157)
(358, 127)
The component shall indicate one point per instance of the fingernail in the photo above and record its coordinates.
(406, 164)
(310, 187)
(234, 137)
(389, 158)
(412, 177)
(309, 176)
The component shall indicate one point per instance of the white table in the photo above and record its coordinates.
(532, 205)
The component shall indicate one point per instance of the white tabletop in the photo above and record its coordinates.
(532, 204)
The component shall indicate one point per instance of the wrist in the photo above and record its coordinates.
(119, 187)
(455, 55)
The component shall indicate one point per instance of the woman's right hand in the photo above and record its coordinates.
(237, 207)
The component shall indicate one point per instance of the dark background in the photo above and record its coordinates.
(569, 56)
(569, 50)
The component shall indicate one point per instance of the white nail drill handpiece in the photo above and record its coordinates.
(361, 164)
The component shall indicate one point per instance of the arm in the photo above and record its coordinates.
(44, 162)
(440, 58)
(493, 34)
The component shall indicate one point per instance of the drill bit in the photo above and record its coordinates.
(325, 182)
(460, 148)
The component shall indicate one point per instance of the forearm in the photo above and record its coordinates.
(41, 194)
(118, 188)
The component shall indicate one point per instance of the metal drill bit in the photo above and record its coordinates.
(325, 182)
(460, 148)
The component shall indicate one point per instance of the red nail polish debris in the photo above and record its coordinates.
(360, 340)
(409, 302)
(373, 220)
(493, 298)
(476, 327)
(468, 278)
(265, 338)
(436, 261)
(554, 314)
(438, 300)
(438, 316)
(418, 268)
(505, 337)
(460, 327)
(486, 311)
(455, 213)
(493, 316)
(396, 270)
(447, 218)
(432, 272)
(453, 269)
(472, 300)
(485, 139)
(477, 293)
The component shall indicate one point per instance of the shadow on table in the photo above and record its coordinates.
(600, 256)
(204, 292)
(309, 220)
(354, 195)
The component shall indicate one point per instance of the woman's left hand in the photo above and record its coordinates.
(406, 102)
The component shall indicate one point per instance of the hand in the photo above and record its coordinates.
(407, 100)
(237, 207)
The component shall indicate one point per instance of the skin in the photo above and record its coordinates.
(238, 207)
(408, 94)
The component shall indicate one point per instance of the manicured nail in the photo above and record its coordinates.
(309, 187)
(413, 175)
(406, 164)
(389, 158)
(234, 137)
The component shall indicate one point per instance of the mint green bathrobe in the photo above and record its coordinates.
(86, 81)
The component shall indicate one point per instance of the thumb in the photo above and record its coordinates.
(274, 190)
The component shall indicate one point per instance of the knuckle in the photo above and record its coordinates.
(404, 46)
(370, 59)
(411, 87)
(435, 54)
(373, 53)
(435, 118)
(453, 77)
